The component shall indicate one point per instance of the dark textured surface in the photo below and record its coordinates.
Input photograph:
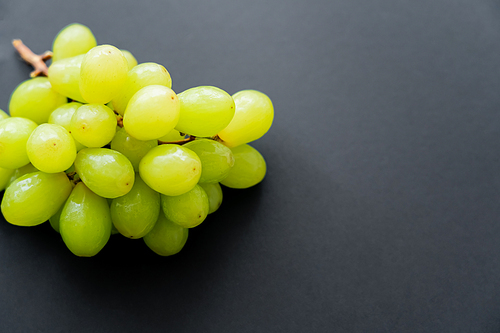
(380, 209)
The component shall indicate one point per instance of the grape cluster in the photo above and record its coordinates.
(103, 145)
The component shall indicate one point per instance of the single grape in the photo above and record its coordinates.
(14, 133)
(85, 222)
(151, 113)
(93, 125)
(132, 148)
(135, 213)
(102, 74)
(131, 61)
(35, 99)
(172, 136)
(216, 159)
(5, 175)
(62, 116)
(33, 198)
(64, 76)
(3, 114)
(141, 76)
(106, 172)
(166, 238)
(28, 168)
(253, 118)
(249, 168)
(204, 111)
(187, 210)
(214, 194)
(51, 148)
(170, 169)
(72, 40)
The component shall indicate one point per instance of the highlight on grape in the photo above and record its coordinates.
(98, 144)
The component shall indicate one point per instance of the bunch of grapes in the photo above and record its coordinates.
(103, 145)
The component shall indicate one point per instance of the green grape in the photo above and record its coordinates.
(214, 194)
(106, 172)
(253, 118)
(204, 111)
(102, 74)
(3, 114)
(131, 61)
(249, 168)
(62, 116)
(135, 213)
(151, 113)
(172, 136)
(64, 76)
(33, 198)
(5, 175)
(35, 99)
(93, 125)
(51, 148)
(54, 219)
(187, 210)
(72, 40)
(166, 238)
(170, 169)
(216, 159)
(85, 222)
(28, 168)
(132, 148)
(114, 231)
(141, 76)
(14, 133)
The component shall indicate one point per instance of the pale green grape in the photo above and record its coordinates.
(151, 113)
(106, 172)
(172, 136)
(5, 175)
(170, 169)
(3, 114)
(214, 194)
(51, 148)
(135, 213)
(93, 125)
(131, 61)
(132, 148)
(54, 219)
(216, 159)
(28, 168)
(187, 210)
(204, 111)
(62, 116)
(141, 76)
(166, 238)
(102, 74)
(72, 40)
(64, 76)
(35, 99)
(253, 118)
(33, 198)
(85, 222)
(249, 168)
(14, 133)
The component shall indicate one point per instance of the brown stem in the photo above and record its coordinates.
(35, 60)
(180, 142)
(119, 119)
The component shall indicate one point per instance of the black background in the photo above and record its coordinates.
(380, 208)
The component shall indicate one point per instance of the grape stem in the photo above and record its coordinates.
(180, 142)
(35, 60)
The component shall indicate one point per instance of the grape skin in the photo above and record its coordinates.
(14, 133)
(187, 210)
(166, 238)
(249, 168)
(72, 40)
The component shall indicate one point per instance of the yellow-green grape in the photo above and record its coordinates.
(5, 175)
(172, 136)
(253, 118)
(166, 238)
(62, 116)
(141, 76)
(3, 114)
(214, 194)
(151, 113)
(93, 125)
(51, 148)
(187, 210)
(35, 99)
(14, 133)
(216, 159)
(170, 169)
(72, 40)
(249, 168)
(85, 222)
(106, 172)
(19, 172)
(131, 61)
(33, 198)
(102, 74)
(135, 213)
(54, 219)
(132, 148)
(64, 76)
(205, 111)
